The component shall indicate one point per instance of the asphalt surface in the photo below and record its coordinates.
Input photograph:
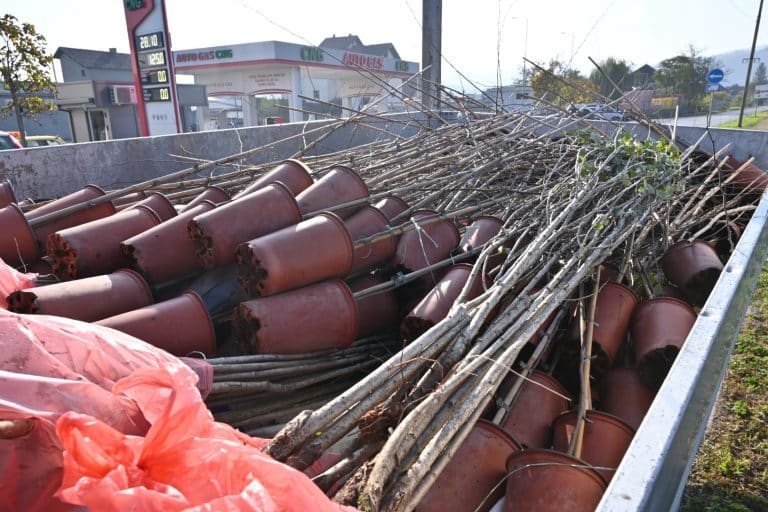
(717, 119)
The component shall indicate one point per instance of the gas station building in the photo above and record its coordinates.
(335, 78)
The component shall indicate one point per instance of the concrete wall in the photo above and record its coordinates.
(54, 171)
(49, 172)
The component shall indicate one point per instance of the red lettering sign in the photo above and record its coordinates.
(363, 61)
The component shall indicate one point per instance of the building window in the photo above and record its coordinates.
(82, 72)
(316, 94)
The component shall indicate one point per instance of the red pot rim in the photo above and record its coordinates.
(352, 303)
(6, 186)
(351, 172)
(378, 212)
(683, 244)
(614, 284)
(541, 457)
(31, 241)
(139, 279)
(551, 382)
(211, 331)
(671, 300)
(493, 428)
(300, 164)
(150, 210)
(283, 188)
(345, 233)
(398, 200)
(595, 414)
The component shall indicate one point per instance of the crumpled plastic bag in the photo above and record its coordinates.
(185, 462)
(11, 281)
(49, 366)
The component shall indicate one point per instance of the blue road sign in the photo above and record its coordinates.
(715, 76)
(714, 87)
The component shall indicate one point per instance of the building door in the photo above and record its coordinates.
(99, 123)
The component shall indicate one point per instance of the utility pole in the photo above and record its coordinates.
(431, 49)
(749, 65)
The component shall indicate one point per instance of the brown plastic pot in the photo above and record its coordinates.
(17, 240)
(659, 329)
(310, 251)
(295, 175)
(376, 313)
(93, 248)
(338, 186)
(670, 290)
(316, 317)
(623, 394)
(217, 233)
(751, 179)
(366, 222)
(180, 325)
(530, 416)
(694, 267)
(391, 206)
(472, 480)
(436, 304)
(429, 244)
(613, 313)
(482, 229)
(606, 439)
(6, 194)
(160, 204)
(165, 252)
(549, 481)
(89, 299)
(212, 194)
(100, 211)
(128, 200)
(86, 193)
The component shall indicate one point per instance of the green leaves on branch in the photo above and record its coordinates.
(644, 166)
(24, 69)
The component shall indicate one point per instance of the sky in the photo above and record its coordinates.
(485, 40)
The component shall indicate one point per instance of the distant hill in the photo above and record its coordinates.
(735, 69)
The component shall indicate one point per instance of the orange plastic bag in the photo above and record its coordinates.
(49, 366)
(185, 462)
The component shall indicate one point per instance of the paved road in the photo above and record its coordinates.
(717, 119)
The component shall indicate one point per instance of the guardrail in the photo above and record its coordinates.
(655, 468)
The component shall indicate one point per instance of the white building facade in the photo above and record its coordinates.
(312, 82)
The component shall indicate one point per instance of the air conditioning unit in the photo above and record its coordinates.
(123, 94)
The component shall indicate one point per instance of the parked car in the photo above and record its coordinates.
(34, 141)
(8, 141)
(600, 111)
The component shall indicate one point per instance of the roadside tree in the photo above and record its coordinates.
(685, 75)
(24, 69)
(619, 72)
(562, 85)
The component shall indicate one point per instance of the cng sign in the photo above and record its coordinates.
(715, 76)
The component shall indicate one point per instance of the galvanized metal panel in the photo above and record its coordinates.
(654, 471)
